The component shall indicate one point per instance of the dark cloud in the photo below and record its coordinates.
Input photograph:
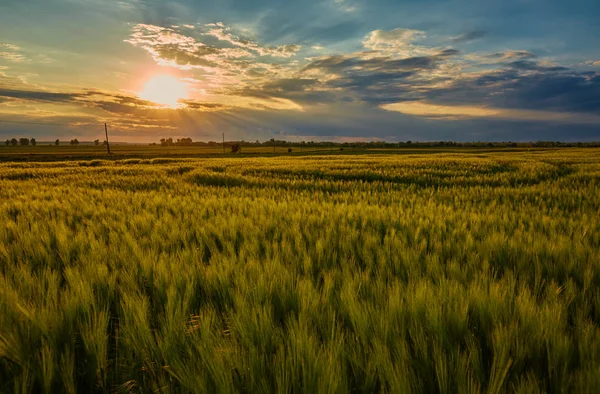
(535, 66)
(361, 62)
(290, 85)
(526, 85)
(114, 103)
(197, 105)
(511, 55)
(469, 36)
(39, 95)
(376, 80)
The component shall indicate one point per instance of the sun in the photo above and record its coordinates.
(164, 90)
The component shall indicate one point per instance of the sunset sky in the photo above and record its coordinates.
(465, 70)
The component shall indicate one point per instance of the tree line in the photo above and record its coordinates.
(33, 142)
(380, 144)
(21, 141)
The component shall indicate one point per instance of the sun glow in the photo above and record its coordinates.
(164, 90)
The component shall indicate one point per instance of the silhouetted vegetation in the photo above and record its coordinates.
(179, 142)
(308, 145)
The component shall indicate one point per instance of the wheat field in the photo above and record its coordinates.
(423, 273)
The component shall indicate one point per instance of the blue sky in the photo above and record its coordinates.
(342, 70)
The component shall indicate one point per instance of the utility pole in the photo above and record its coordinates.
(223, 143)
(107, 144)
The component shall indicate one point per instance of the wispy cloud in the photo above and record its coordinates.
(343, 6)
(469, 36)
(223, 33)
(11, 53)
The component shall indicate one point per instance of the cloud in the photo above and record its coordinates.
(535, 66)
(530, 86)
(499, 57)
(454, 112)
(343, 6)
(225, 62)
(202, 106)
(375, 77)
(11, 52)
(223, 33)
(38, 95)
(469, 36)
(393, 76)
(10, 47)
(396, 39)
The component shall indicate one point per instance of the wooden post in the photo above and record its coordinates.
(107, 144)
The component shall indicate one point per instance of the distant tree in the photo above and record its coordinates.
(104, 142)
(7, 142)
(74, 142)
(96, 142)
(409, 142)
(33, 141)
(167, 142)
(290, 150)
(14, 142)
(24, 141)
(235, 148)
(57, 142)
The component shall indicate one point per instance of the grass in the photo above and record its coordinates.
(472, 272)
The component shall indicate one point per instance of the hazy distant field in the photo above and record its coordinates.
(51, 152)
(437, 273)
(45, 152)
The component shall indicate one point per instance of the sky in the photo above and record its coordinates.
(340, 70)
